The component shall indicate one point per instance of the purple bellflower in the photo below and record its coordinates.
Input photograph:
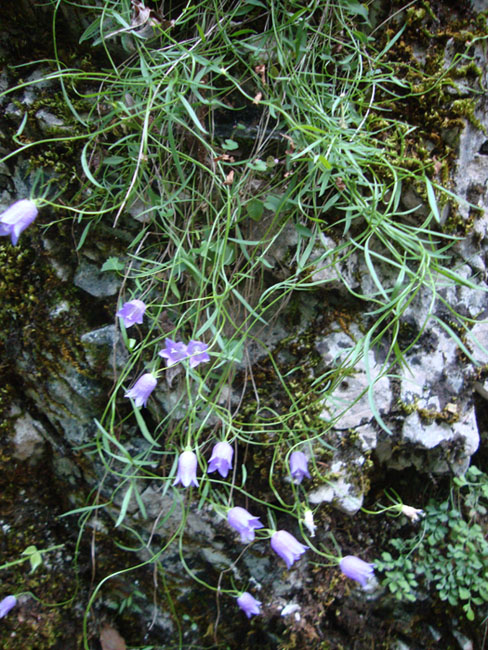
(6, 605)
(249, 605)
(187, 469)
(221, 459)
(287, 547)
(298, 466)
(132, 312)
(141, 390)
(16, 218)
(173, 352)
(197, 353)
(357, 569)
(245, 524)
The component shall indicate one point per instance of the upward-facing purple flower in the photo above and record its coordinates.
(298, 466)
(16, 218)
(173, 352)
(221, 459)
(187, 469)
(287, 547)
(132, 312)
(141, 390)
(197, 353)
(357, 569)
(245, 524)
(249, 605)
(6, 605)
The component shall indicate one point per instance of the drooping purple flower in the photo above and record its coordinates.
(287, 547)
(132, 312)
(16, 218)
(6, 605)
(173, 352)
(187, 469)
(221, 459)
(357, 569)
(298, 466)
(249, 605)
(245, 524)
(141, 390)
(197, 353)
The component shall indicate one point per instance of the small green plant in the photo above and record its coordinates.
(450, 554)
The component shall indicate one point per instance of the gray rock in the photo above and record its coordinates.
(28, 439)
(105, 349)
(341, 491)
(479, 342)
(89, 278)
(436, 447)
(348, 406)
(51, 125)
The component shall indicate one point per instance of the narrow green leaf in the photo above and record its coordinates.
(244, 475)
(86, 168)
(84, 235)
(124, 506)
(192, 114)
(143, 428)
(432, 200)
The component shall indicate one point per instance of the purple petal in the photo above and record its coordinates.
(6, 605)
(356, 569)
(17, 218)
(249, 605)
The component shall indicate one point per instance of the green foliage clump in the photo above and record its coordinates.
(450, 554)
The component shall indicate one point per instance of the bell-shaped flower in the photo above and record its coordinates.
(6, 605)
(173, 352)
(141, 390)
(16, 218)
(414, 514)
(287, 547)
(298, 466)
(221, 459)
(132, 312)
(245, 524)
(197, 353)
(187, 469)
(356, 569)
(249, 605)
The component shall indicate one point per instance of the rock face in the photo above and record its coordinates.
(402, 405)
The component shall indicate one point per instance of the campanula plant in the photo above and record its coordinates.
(221, 459)
(204, 251)
(174, 352)
(249, 605)
(141, 390)
(132, 312)
(187, 469)
(356, 569)
(287, 547)
(299, 466)
(244, 523)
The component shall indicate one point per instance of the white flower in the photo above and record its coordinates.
(309, 523)
(412, 513)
